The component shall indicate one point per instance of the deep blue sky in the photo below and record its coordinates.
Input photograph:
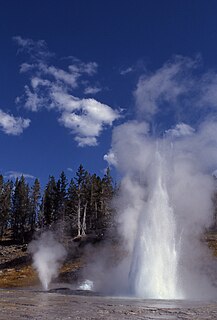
(135, 36)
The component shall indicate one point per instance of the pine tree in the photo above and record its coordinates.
(34, 202)
(1, 182)
(62, 193)
(71, 208)
(48, 208)
(21, 209)
(95, 201)
(57, 202)
(5, 204)
(107, 192)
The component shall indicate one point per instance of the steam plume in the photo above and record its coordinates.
(48, 255)
(165, 201)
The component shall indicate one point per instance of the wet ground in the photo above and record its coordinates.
(64, 303)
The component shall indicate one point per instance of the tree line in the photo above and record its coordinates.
(79, 207)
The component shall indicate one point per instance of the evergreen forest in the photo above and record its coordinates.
(79, 207)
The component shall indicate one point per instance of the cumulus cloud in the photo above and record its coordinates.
(12, 125)
(53, 88)
(86, 119)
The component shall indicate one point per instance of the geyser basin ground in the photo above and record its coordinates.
(34, 304)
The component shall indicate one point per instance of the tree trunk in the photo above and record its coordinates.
(79, 217)
(84, 221)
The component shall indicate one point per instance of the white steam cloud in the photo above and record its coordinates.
(165, 199)
(164, 207)
(48, 255)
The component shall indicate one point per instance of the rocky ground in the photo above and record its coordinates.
(68, 304)
(16, 264)
(21, 296)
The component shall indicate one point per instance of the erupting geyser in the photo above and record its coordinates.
(164, 207)
(153, 272)
(165, 201)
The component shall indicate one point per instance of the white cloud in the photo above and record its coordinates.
(89, 68)
(25, 67)
(36, 49)
(179, 90)
(180, 87)
(99, 111)
(86, 141)
(110, 158)
(62, 100)
(68, 78)
(17, 174)
(52, 88)
(126, 71)
(12, 125)
(208, 87)
(166, 85)
(33, 101)
(36, 82)
(92, 90)
(73, 73)
(23, 42)
(87, 119)
(80, 124)
(180, 130)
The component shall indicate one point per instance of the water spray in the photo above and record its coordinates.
(48, 255)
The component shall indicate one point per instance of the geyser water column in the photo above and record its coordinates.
(153, 272)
